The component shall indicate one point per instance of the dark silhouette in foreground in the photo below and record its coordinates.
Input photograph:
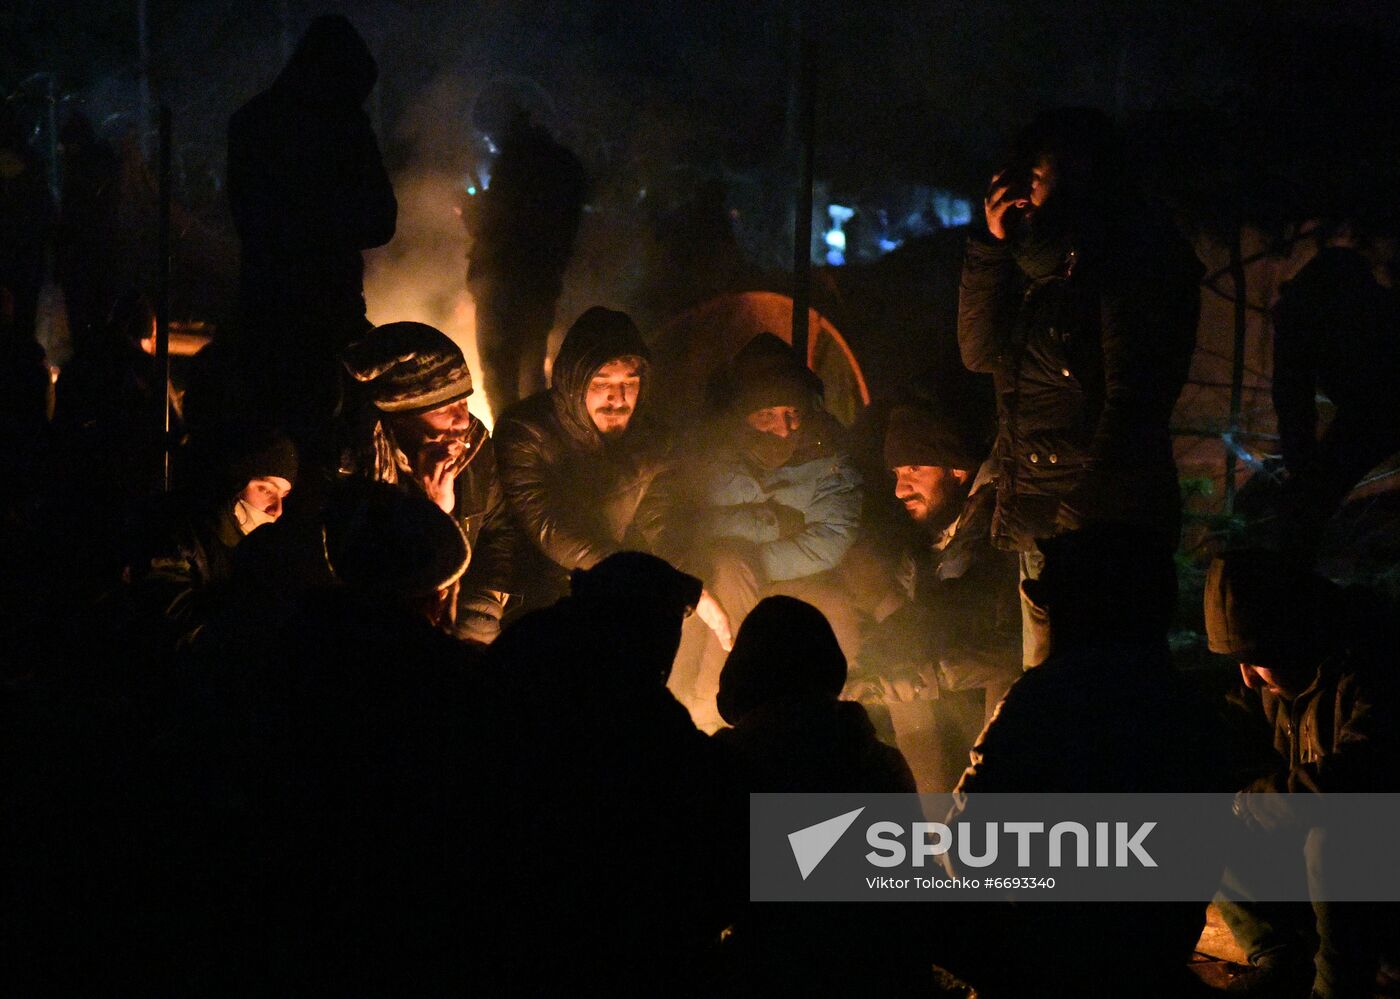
(1336, 331)
(779, 690)
(622, 866)
(1105, 713)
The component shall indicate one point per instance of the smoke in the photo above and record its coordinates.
(421, 274)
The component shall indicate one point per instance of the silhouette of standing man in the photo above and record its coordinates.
(523, 229)
(308, 192)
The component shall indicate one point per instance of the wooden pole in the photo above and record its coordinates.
(1237, 275)
(163, 294)
(802, 239)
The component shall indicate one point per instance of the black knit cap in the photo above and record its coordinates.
(916, 436)
(765, 373)
(260, 455)
(409, 367)
(1263, 604)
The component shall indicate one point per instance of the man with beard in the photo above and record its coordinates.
(579, 463)
(960, 627)
(776, 503)
(1081, 301)
(425, 441)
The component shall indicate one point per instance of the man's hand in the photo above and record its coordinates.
(921, 685)
(438, 464)
(707, 608)
(999, 198)
(791, 521)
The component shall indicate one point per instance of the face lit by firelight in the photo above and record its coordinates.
(612, 394)
(780, 421)
(927, 491)
(266, 495)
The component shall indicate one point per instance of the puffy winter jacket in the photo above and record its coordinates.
(820, 483)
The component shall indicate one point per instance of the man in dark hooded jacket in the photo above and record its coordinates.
(308, 192)
(791, 734)
(427, 442)
(1319, 697)
(1082, 305)
(616, 804)
(579, 462)
(181, 568)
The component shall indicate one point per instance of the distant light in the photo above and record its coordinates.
(886, 245)
(840, 214)
(835, 258)
(952, 211)
(471, 188)
(836, 239)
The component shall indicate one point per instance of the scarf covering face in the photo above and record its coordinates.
(768, 450)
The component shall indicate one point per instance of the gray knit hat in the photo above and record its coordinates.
(409, 367)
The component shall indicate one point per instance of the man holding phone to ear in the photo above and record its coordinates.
(1080, 300)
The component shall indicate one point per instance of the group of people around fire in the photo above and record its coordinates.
(378, 699)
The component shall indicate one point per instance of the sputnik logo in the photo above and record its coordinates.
(811, 845)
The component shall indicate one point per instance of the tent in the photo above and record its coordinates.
(690, 348)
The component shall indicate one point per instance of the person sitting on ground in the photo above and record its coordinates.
(774, 501)
(187, 556)
(960, 626)
(1319, 693)
(779, 690)
(357, 732)
(580, 461)
(425, 441)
